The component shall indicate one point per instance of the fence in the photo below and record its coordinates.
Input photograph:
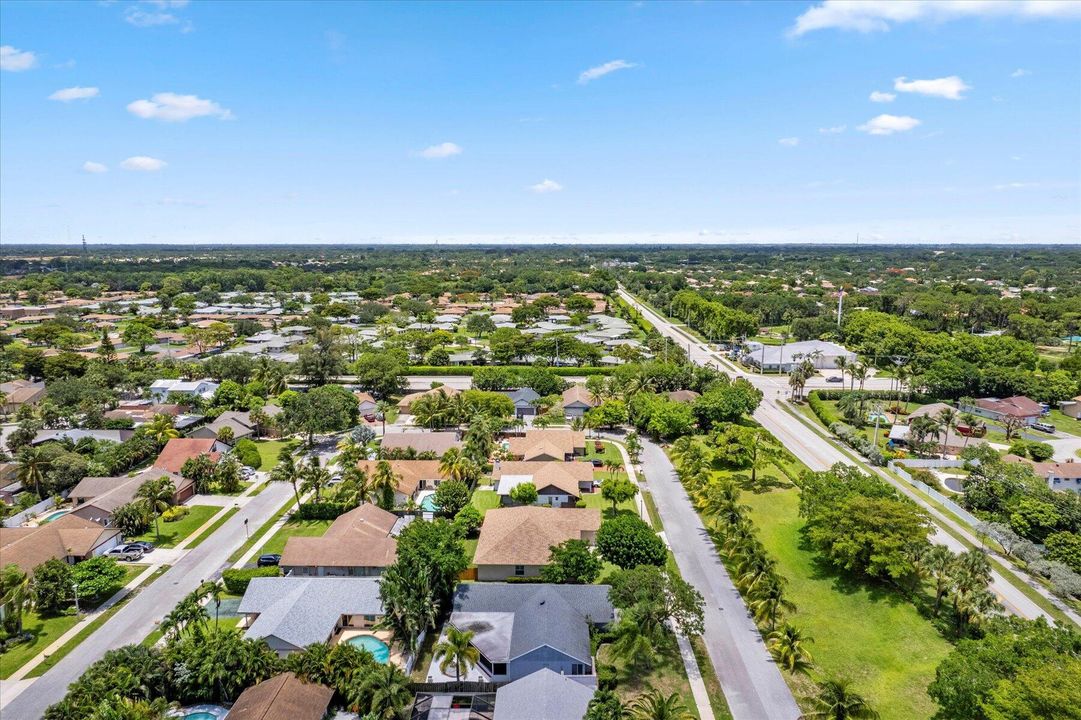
(462, 686)
(19, 519)
(947, 503)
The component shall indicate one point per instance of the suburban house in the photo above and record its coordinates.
(16, 393)
(77, 434)
(1064, 476)
(542, 695)
(436, 443)
(359, 543)
(291, 613)
(239, 422)
(142, 411)
(785, 358)
(161, 390)
(519, 629)
(96, 498)
(1071, 408)
(577, 401)
(413, 476)
(517, 541)
(179, 450)
(559, 484)
(998, 409)
(283, 697)
(547, 444)
(524, 400)
(365, 402)
(405, 405)
(69, 538)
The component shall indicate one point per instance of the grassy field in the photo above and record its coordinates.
(269, 450)
(873, 637)
(173, 533)
(295, 528)
(666, 676)
(257, 535)
(1064, 423)
(485, 500)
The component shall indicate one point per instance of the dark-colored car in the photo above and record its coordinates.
(597, 462)
(146, 547)
(835, 379)
(269, 560)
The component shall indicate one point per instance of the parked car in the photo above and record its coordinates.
(1043, 427)
(370, 417)
(268, 560)
(597, 462)
(125, 552)
(835, 379)
(146, 547)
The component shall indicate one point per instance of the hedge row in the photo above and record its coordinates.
(835, 394)
(236, 581)
(822, 411)
(470, 369)
(320, 510)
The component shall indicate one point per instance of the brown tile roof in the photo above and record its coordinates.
(179, 450)
(550, 443)
(1018, 406)
(437, 442)
(282, 697)
(409, 472)
(579, 393)
(565, 476)
(406, 403)
(524, 535)
(67, 536)
(359, 538)
(684, 396)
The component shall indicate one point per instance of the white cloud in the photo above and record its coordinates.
(171, 107)
(142, 163)
(546, 186)
(601, 70)
(888, 124)
(868, 16)
(789, 141)
(948, 87)
(155, 13)
(1016, 185)
(442, 150)
(882, 97)
(14, 60)
(94, 167)
(835, 130)
(1020, 72)
(74, 93)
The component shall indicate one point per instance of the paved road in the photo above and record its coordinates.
(820, 453)
(752, 684)
(137, 619)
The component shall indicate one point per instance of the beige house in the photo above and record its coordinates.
(16, 393)
(96, 498)
(360, 543)
(436, 443)
(559, 484)
(577, 401)
(283, 697)
(68, 538)
(413, 476)
(547, 444)
(1071, 408)
(405, 405)
(516, 542)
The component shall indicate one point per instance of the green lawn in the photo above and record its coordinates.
(214, 527)
(269, 451)
(173, 533)
(873, 637)
(1064, 423)
(470, 548)
(485, 500)
(609, 452)
(295, 528)
(666, 676)
(595, 500)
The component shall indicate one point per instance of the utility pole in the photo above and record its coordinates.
(840, 305)
(84, 245)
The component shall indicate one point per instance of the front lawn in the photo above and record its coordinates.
(667, 675)
(174, 533)
(872, 636)
(608, 452)
(595, 500)
(294, 528)
(485, 500)
(1063, 423)
(269, 451)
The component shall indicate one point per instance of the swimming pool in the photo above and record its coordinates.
(199, 712)
(200, 716)
(379, 649)
(427, 501)
(52, 516)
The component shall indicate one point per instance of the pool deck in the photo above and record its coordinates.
(385, 635)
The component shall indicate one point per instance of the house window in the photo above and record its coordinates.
(581, 669)
(519, 570)
(499, 668)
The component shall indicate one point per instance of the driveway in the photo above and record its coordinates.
(139, 617)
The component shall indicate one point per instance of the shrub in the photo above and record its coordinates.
(320, 510)
(236, 581)
(628, 541)
(823, 412)
(248, 453)
(852, 437)
(174, 513)
(468, 520)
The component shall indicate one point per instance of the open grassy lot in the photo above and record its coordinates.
(173, 533)
(873, 637)
(485, 500)
(667, 674)
(1064, 423)
(295, 528)
(269, 451)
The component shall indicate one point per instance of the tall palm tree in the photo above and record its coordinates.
(32, 466)
(15, 595)
(937, 564)
(842, 365)
(213, 590)
(384, 484)
(837, 701)
(768, 600)
(456, 649)
(382, 407)
(287, 471)
(161, 429)
(350, 452)
(613, 465)
(947, 421)
(654, 705)
(314, 477)
(457, 466)
(158, 496)
(634, 642)
(386, 689)
(786, 643)
(361, 486)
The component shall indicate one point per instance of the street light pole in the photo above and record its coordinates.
(246, 535)
(75, 587)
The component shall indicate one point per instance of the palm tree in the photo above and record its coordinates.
(213, 590)
(314, 478)
(937, 564)
(947, 421)
(455, 465)
(286, 471)
(457, 649)
(382, 407)
(357, 479)
(613, 465)
(656, 706)
(386, 688)
(33, 463)
(786, 643)
(158, 496)
(634, 642)
(768, 600)
(842, 364)
(385, 484)
(161, 429)
(350, 452)
(15, 596)
(837, 701)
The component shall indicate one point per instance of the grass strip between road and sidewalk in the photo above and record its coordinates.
(257, 536)
(91, 627)
(213, 528)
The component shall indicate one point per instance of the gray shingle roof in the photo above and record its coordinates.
(543, 695)
(302, 611)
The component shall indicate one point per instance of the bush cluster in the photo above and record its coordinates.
(236, 581)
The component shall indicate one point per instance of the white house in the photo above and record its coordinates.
(784, 358)
(160, 390)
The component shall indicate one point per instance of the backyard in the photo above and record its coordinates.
(269, 451)
(174, 533)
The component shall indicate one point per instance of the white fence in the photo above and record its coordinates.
(949, 504)
(19, 519)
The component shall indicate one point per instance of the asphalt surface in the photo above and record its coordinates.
(138, 618)
(752, 683)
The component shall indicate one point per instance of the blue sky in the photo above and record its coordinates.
(619, 121)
